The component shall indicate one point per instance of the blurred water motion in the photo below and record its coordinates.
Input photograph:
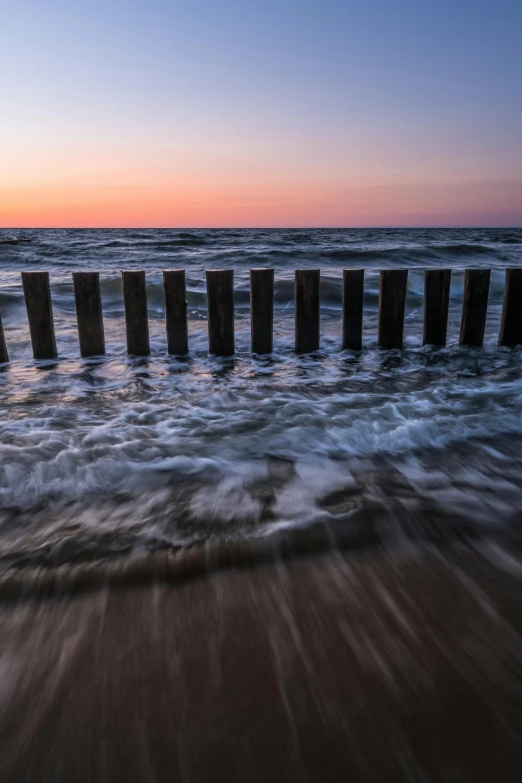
(113, 456)
(278, 569)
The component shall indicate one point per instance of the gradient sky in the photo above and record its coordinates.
(266, 113)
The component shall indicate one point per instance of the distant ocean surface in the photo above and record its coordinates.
(117, 455)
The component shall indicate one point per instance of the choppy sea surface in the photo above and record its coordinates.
(118, 455)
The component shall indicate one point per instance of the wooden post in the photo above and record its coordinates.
(175, 287)
(4, 356)
(392, 299)
(511, 324)
(353, 291)
(220, 298)
(136, 317)
(261, 310)
(37, 293)
(306, 297)
(89, 313)
(436, 303)
(474, 307)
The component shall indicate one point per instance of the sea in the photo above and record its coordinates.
(116, 455)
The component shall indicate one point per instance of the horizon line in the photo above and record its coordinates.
(259, 228)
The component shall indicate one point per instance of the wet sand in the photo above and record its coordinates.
(335, 667)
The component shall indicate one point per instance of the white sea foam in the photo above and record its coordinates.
(161, 450)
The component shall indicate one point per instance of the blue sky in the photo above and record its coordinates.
(264, 98)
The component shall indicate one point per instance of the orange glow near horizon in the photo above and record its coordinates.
(272, 181)
(272, 204)
(227, 177)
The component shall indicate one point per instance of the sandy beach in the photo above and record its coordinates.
(207, 667)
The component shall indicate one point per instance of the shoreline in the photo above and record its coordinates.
(180, 565)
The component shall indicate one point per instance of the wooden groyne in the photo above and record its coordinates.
(220, 298)
(37, 292)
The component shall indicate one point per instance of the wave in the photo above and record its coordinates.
(211, 436)
(464, 249)
(184, 240)
(45, 573)
(15, 240)
(299, 504)
(299, 237)
(286, 249)
(416, 254)
(330, 291)
(10, 299)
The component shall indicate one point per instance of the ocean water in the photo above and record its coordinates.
(118, 455)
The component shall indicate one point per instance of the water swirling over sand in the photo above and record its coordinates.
(119, 455)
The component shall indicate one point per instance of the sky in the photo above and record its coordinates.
(210, 113)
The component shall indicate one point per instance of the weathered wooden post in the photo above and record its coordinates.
(37, 293)
(89, 313)
(474, 307)
(4, 356)
(220, 298)
(306, 298)
(353, 292)
(136, 316)
(392, 300)
(511, 324)
(436, 303)
(261, 310)
(175, 287)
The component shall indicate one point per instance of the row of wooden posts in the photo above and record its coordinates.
(220, 296)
